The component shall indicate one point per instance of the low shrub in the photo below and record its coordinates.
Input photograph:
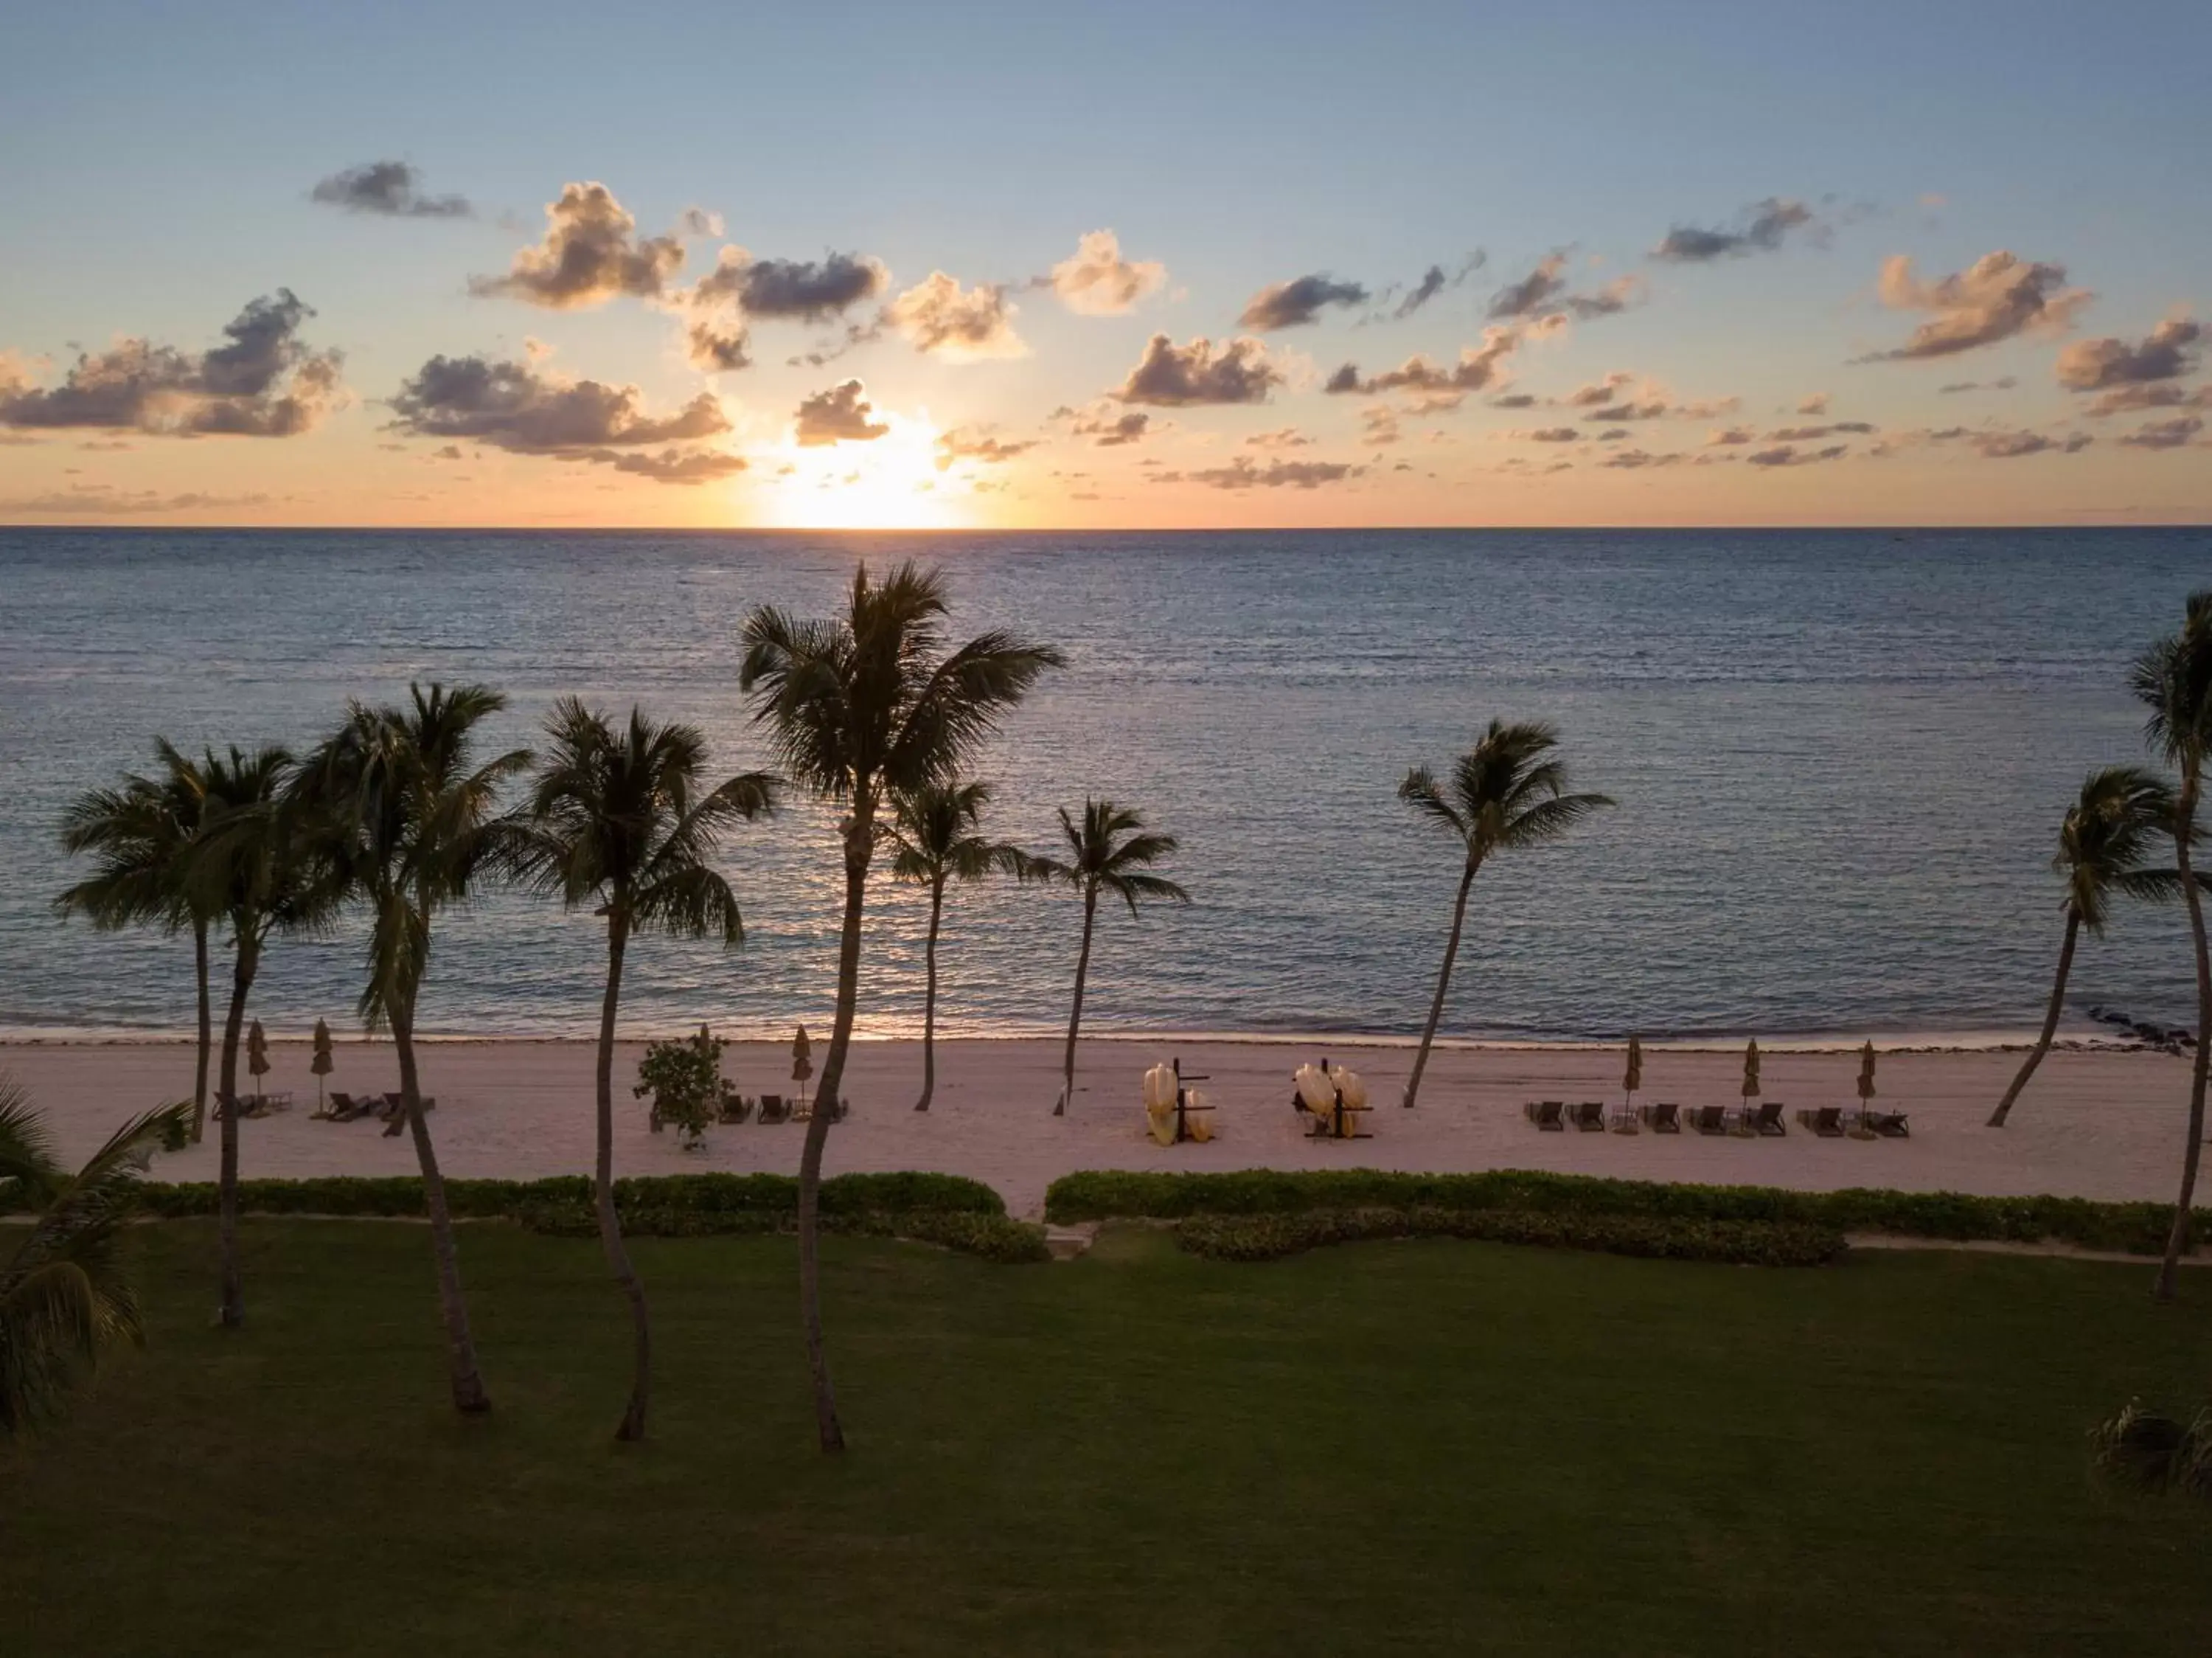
(1745, 1243)
(2134, 1227)
(992, 1237)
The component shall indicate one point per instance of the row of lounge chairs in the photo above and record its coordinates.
(389, 1109)
(772, 1108)
(1761, 1121)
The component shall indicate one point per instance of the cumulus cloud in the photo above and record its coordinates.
(1761, 229)
(2137, 400)
(1243, 474)
(1533, 292)
(1300, 301)
(591, 254)
(1171, 377)
(805, 290)
(717, 345)
(960, 324)
(1789, 455)
(840, 415)
(1112, 432)
(263, 381)
(393, 189)
(1997, 297)
(1815, 405)
(519, 408)
(2097, 365)
(1438, 384)
(975, 443)
(1097, 281)
(2173, 433)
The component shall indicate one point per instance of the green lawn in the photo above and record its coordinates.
(1414, 1446)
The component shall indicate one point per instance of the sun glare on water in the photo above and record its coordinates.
(891, 482)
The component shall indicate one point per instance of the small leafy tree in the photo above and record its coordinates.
(684, 1077)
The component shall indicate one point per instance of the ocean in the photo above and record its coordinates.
(1840, 759)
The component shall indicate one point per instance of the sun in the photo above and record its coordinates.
(891, 482)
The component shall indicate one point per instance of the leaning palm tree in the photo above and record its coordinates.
(2121, 811)
(1505, 793)
(2173, 678)
(863, 707)
(1107, 852)
(937, 832)
(408, 827)
(2156, 1452)
(138, 832)
(619, 820)
(64, 1296)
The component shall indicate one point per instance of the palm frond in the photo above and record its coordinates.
(1419, 791)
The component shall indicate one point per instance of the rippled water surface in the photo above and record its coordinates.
(1839, 759)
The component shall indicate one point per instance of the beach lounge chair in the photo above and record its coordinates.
(774, 1108)
(1550, 1115)
(1767, 1122)
(1889, 1124)
(735, 1108)
(1589, 1116)
(341, 1108)
(1710, 1119)
(1664, 1117)
(1826, 1122)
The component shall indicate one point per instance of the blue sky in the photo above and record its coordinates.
(161, 157)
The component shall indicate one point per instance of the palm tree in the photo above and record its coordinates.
(408, 827)
(2173, 678)
(251, 864)
(63, 1296)
(2156, 1452)
(2122, 809)
(936, 831)
(1505, 793)
(1108, 852)
(139, 832)
(864, 707)
(618, 821)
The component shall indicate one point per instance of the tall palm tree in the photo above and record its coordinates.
(619, 820)
(863, 707)
(139, 832)
(2121, 811)
(409, 825)
(64, 1296)
(936, 830)
(1107, 852)
(2174, 679)
(1507, 792)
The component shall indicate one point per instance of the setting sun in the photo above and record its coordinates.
(888, 482)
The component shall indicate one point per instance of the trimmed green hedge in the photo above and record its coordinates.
(770, 1195)
(1742, 1243)
(2137, 1228)
(993, 1237)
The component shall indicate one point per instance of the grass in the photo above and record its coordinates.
(1434, 1446)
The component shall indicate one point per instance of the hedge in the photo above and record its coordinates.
(2136, 1227)
(993, 1237)
(771, 1195)
(1743, 1243)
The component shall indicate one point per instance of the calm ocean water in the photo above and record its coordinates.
(1840, 759)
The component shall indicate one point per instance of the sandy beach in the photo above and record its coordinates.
(2101, 1124)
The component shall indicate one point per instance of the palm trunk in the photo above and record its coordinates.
(929, 1000)
(2177, 1241)
(859, 843)
(2050, 1020)
(470, 1398)
(207, 1031)
(232, 1310)
(610, 1238)
(1443, 983)
(1075, 1014)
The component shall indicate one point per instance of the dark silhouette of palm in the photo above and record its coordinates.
(408, 826)
(936, 834)
(1506, 793)
(138, 833)
(619, 820)
(864, 707)
(2174, 679)
(1109, 852)
(2121, 814)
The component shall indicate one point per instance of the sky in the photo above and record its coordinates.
(1144, 266)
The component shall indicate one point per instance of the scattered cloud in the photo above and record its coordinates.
(1243, 474)
(1434, 281)
(1956, 387)
(1378, 425)
(1788, 455)
(1549, 434)
(100, 498)
(1815, 434)
(1638, 459)
(840, 415)
(1761, 229)
(1112, 432)
(1097, 281)
(975, 443)
(671, 466)
(2135, 399)
(1616, 296)
(1515, 400)
(1729, 437)
(2173, 433)
(1533, 292)
(262, 382)
(1438, 386)
(591, 254)
(943, 320)
(1997, 297)
(1285, 437)
(1171, 377)
(2002, 442)
(1815, 405)
(1300, 301)
(391, 189)
(803, 291)
(2097, 365)
(718, 346)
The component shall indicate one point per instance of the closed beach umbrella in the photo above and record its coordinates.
(1866, 1071)
(256, 1055)
(1751, 1069)
(802, 1059)
(1634, 1079)
(320, 1064)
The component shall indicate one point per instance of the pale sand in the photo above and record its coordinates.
(2107, 1124)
